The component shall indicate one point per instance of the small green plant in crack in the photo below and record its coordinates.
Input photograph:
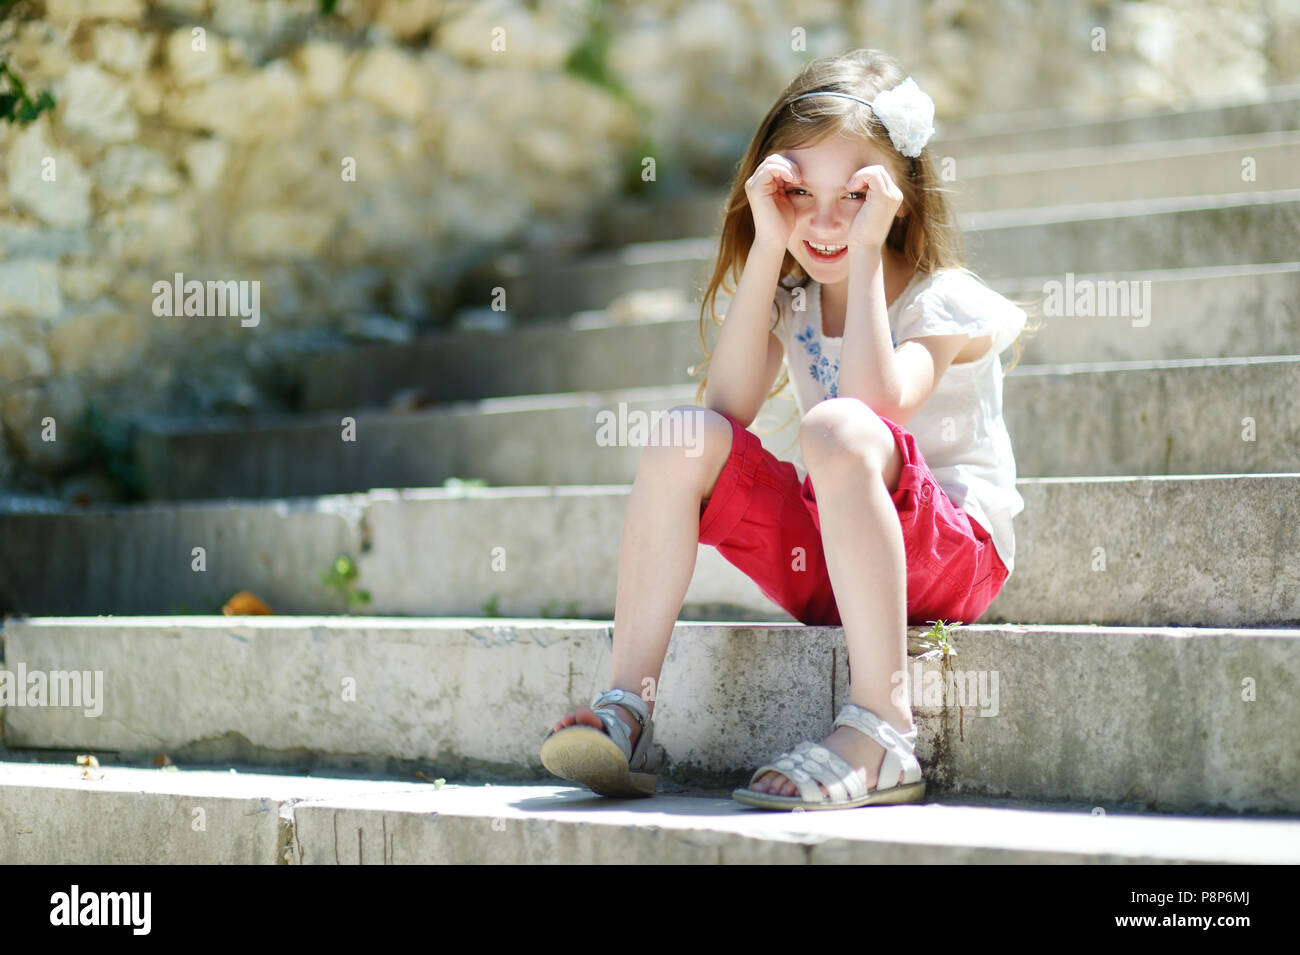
(938, 641)
(491, 606)
(342, 578)
(573, 606)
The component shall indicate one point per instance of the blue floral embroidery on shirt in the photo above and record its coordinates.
(823, 370)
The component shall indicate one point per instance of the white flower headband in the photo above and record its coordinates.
(906, 111)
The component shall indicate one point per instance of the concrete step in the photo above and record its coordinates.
(1171, 719)
(1240, 415)
(1193, 167)
(1274, 110)
(1231, 229)
(1143, 170)
(1185, 416)
(1204, 550)
(49, 815)
(1233, 311)
(1210, 312)
(1184, 232)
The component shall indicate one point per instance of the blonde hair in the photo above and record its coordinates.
(927, 237)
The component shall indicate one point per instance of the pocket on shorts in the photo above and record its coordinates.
(942, 553)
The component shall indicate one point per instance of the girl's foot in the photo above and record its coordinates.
(586, 716)
(860, 751)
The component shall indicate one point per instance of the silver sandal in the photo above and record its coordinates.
(605, 762)
(808, 764)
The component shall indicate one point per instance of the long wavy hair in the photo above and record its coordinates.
(928, 236)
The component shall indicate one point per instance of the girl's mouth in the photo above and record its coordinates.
(821, 256)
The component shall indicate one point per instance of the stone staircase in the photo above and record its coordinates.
(1139, 675)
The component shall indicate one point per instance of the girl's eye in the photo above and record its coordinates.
(795, 189)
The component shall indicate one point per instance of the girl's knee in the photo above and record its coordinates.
(841, 431)
(690, 439)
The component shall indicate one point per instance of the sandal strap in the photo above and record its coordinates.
(900, 748)
(820, 763)
(845, 777)
(646, 758)
(624, 698)
(619, 731)
(808, 764)
(791, 766)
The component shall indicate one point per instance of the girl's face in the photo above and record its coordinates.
(823, 207)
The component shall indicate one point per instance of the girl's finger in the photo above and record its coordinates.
(867, 174)
(788, 168)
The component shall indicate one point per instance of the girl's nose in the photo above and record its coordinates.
(825, 220)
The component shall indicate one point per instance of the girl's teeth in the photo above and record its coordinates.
(822, 250)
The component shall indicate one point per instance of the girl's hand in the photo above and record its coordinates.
(771, 208)
(872, 223)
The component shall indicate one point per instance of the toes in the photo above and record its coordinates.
(578, 718)
(775, 784)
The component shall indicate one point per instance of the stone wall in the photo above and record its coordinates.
(355, 165)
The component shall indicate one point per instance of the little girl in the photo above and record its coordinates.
(838, 227)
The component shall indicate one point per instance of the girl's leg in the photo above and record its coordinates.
(855, 466)
(661, 531)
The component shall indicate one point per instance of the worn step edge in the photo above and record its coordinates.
(50, 814)
(1164, 712)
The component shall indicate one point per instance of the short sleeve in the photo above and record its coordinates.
(958, 303)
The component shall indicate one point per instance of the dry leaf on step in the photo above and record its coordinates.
(244, 602)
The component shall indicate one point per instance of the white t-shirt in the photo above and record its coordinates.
(959, 430)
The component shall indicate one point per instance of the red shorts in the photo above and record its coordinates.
(759, 512)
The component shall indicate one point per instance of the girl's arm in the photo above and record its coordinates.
(742, 370)
(893, 382)
(867, 369)
(921, 362)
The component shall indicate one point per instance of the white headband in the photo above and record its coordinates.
(906, 111)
